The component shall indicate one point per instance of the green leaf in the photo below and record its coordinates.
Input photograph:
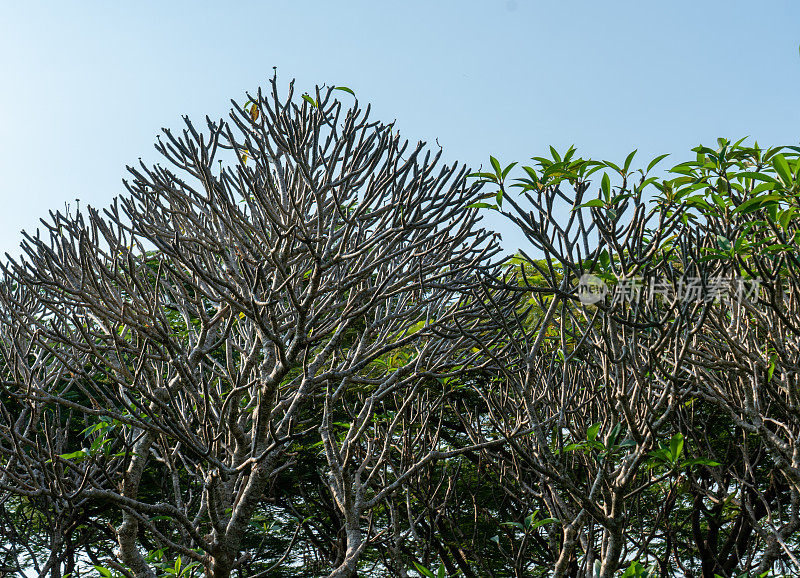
(724, 243)
(628, 161)
(103, 571)
(485, 176)
(93, 428)
(700, 462)
(655, 161)
(530, 519)
(424, 571)
(496, 164)
(417, 327)
(507, 169)
(757, 176)
(543, 522)
(531, 174)
(614, 435)
(676, 446)
(345, 89)
(594, 203)
(605, 185)
(782, 168)
(786, 217)
(772, 211)
(79, 455)
(310, 100)
(591, 433)
(771, 371)
(752, 205)
(764, 187)
(98, 443)
(481, 206)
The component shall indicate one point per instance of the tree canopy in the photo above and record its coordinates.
(293, 350)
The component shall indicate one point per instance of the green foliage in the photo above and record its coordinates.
(700, 472)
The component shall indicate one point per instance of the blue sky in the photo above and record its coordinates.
(86, 86)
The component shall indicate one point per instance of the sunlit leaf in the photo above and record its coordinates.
(781, 167)
(310, 100)
(591, 433)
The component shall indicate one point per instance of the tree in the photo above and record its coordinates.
(165, 356)
(619, 389)
(293, 353)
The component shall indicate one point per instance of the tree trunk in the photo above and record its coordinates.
(355, 544)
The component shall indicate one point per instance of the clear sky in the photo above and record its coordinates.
(86, 86)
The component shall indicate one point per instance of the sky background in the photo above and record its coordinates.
(86, 86)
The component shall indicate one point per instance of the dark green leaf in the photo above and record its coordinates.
(514, 524)
(655, 161)
(486, 176)
(700, 462)
(605, 185)
(507, 169)
(628, 161)
(724, 243)
(752, 205)
(496, 164)
(544, 522)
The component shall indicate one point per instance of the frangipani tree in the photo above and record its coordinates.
(231, 304)
(663, 408)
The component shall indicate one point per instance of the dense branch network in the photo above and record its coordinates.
(292, 350)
